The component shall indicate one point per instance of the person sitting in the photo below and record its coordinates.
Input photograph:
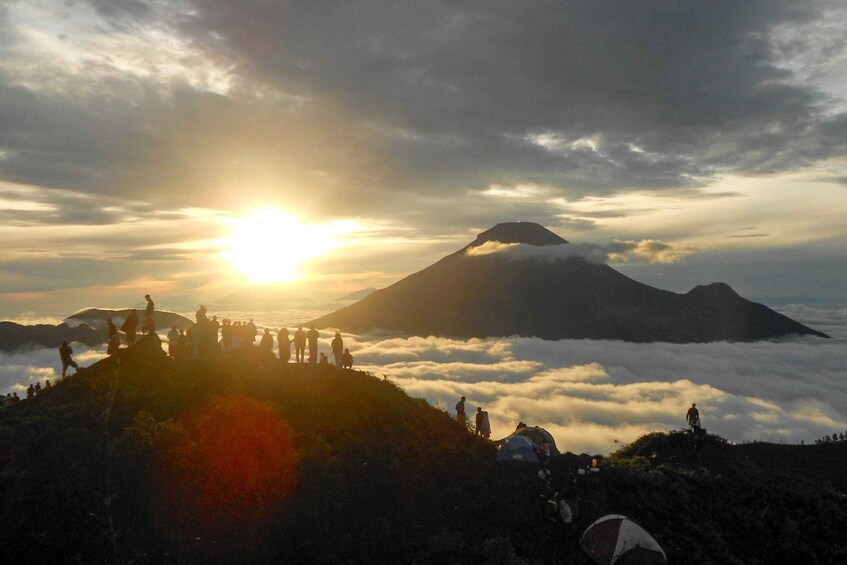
(347, 359)
(324, 360)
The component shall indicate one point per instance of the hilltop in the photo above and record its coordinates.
(141, 459)
(519, 278)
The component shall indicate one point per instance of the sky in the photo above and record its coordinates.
(181, 147)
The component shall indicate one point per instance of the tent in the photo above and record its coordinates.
(516, 448)
(617, 540)
(537, 435)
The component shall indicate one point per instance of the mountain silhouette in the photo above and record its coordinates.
(547, 289)
(97, 317)
(14, 336)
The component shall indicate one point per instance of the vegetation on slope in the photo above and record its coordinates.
(140, 459)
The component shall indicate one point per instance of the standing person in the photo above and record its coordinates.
(284, 345)
(267, 342)
(312, 337)
(65, 353)
(486, 425)
(250, 333)
(129, 326)
(111, 330)
(478, 421)
(693, 416)
(173, 342)
(299, 344)
(347, 359)
(30, 392)
(460, 412)
(182, 345)
(149, 325)
(200, 315)
(338, 350)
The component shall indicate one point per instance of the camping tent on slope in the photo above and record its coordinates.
(517, 448)
(617, 540)
(537, 435)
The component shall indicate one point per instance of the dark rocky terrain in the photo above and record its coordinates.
(239, 459)
(567, 297)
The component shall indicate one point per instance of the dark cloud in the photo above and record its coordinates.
(402, 100)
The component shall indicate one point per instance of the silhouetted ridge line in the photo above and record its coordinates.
(501, 294)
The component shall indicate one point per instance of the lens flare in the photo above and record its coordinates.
(222, 479)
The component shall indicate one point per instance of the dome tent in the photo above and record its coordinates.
(616, 540)
(537, 435)
(517, 448)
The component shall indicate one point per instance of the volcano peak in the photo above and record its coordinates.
(528, 233)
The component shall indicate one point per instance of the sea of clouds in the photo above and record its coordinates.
(592, 396)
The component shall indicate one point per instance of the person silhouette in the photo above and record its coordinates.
(284, 345)
(267, 341)
(299, 344)
(338, 350)
(149, 325)
(111, 330)
(312, 337)
(173, 339)
(347, 359)
(129, 326)
(693, 416)
(65, 353)
(460, 411)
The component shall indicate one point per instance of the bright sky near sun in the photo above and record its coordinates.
(187, 148)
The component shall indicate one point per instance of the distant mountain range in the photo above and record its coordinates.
(97, 317)
(14, 336)
(521, 279)
(358, 294)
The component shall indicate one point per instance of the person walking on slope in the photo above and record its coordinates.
(129, 326)
(338, 350)
(460, 412)
(299, 344)
(284, 345)
(693, 417)
(312, 337)
(65, 353)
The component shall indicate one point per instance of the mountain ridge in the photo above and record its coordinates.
(496, 295)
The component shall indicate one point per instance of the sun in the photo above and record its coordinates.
(269, 246)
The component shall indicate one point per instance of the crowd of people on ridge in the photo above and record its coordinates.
(209, 336)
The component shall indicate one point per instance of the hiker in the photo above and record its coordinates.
(347, 360)
(37, 389)
(693, 417)
(65, 353)
(129, 326)
(312, 337)
(173, 342)
(284, 345)
(182, 345)
(200, 315)
(460, 412)
(15, 398)
(544, 451)
(111, 330)
(149, 325)
(478, 421)
(47, 384)
(267, 342)
(299, 344)
(486, 425)
(338, 350)
(30, 392)
(7, 400)
(250, 332)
